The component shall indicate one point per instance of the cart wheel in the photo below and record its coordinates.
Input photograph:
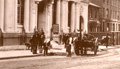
(85, 50)
(95, 50)
(76, 51)
(81, 49)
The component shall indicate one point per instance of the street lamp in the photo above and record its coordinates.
(81, 11)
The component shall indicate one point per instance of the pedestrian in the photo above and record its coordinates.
(35, 42)
(40, 43)
(106, 40)
(68, 45)
(64, 36)
(31, 43)
(65, 39)
(46, 46)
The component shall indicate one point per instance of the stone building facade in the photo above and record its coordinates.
(109, 19)
(21, 17)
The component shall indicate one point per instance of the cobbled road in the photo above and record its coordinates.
(109, 59)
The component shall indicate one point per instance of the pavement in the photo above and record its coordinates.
(20, 51)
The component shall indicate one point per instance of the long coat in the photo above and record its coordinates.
(35, 39)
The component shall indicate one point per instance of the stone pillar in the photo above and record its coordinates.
(32, 16)
(58, 13)
(9, 15)
(63, 13)
(1, 14)
(48, 19)
(72, 16)
(66, 17)
(77, 15)
(26, 17)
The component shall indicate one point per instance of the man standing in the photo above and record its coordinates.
(39, 42)
(107, 40)
(68, 45)
(35, 42)
(41, 38)
(46, 46)
(31, 42)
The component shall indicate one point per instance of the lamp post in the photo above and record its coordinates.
(81, 11)
(51, 33)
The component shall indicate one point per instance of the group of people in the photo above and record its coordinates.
(71, 39)
(38, 42)
(68, 41)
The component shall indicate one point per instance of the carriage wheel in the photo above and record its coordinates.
(85, 50)
(95, 50)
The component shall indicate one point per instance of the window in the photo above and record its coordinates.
(20, 12)
(91, 13)
(96, 12)
(107, 13)
(107, 26)
(119, 27)
(118, 15)
(103, 26)
(113, 27)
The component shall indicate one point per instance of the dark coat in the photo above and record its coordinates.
(35, 39)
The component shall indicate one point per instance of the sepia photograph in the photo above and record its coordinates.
(59, 34)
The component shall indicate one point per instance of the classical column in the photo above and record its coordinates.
(32, 15)
(1, 14)
(72, 16)
(9, 13)
(48, 19)
(66, 17)
(58, 13)
(26, 17)
(62, 15)
(76, 16)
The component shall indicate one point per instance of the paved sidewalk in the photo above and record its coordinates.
(19, 51)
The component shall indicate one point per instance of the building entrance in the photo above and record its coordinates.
(41, 17)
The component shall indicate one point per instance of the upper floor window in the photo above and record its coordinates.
(113, 27)
(20, 12)
(119, 27)
(107, 13)
(107, 26)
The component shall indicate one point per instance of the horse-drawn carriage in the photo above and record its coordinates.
(88, 42)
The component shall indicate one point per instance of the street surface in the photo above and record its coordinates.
(109, 59)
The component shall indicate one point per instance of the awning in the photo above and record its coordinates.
(94, 23)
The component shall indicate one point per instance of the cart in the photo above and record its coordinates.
(81, 46)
